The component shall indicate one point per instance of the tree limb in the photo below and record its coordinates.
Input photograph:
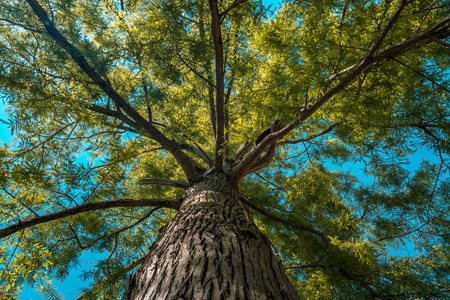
(21, 25)
(220, 84)
(241, 167)
(421, 74)
(388, 27)
(212, 108)
(121, 127)
(322, 236)
(175, 183)
(310, 137)
(439, 31)
(207, 80)
(263, 161)
(168, 203)
(431, 35)
(112, 113)
(197, 151)
(183, 159)
(368, 61)
(224, 13)
(243, 149)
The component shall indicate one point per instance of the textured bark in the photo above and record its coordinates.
(210, 251)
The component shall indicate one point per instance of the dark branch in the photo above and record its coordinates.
(247, 162)
(114, 114)
(389, 26)
(183, 159)
(168, 203)
(431, 35)
(303, 266)
(227, 10)
(207, 80)
(169, 182)
(322, 236)
(220, 84)
(212, 108)
(368, 61)
(21, 25)
(121, 127)
(263, 161)
(197, 151)
(423, 75)
(439, 31)
(243, 149)
(310, 137)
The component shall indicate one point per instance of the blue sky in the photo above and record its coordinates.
(5, 135)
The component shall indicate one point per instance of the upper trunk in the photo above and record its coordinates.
(210, 251)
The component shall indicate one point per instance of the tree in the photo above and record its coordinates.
(239, 124)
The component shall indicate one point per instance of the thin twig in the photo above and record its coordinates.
(310, 137)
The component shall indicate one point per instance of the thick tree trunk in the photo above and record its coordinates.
(210, 251)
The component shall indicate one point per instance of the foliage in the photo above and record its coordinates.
(336, 231)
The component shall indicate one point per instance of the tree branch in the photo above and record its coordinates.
(220, 84)
(212, 108)
(183, 159)
(207, 80)
(241, 167)
(389, 26)
(322, 236)
(112, 113)
(421, 74)
(227, 10)
(176, 183)
(243, 149)
(368, 61)
(168, 203)
(197, 151)
(21, 25)
(121, 127)
(263, 161)
(439, 31)
(310, 137)
(431, 35)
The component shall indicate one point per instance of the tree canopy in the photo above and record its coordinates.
(117, 106)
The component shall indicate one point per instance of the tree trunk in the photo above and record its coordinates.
(210, 251)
